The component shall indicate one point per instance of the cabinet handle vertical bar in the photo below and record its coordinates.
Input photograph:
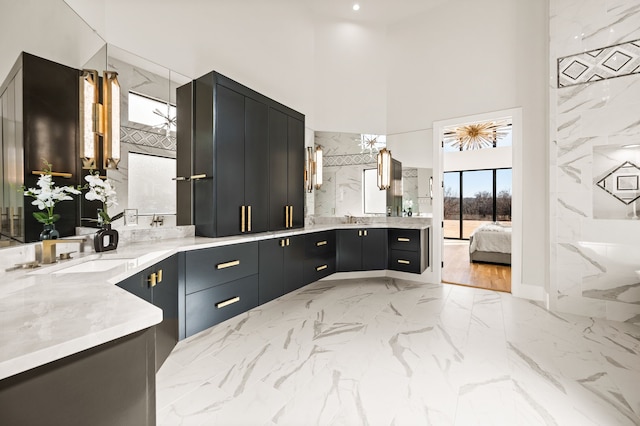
(152, 280)
(249, 218)
(286, 216)
(281, 243)
(242, 219)
(288, 242)
(291, 218)
(228, 302)
(365, 232)
(159, 276)
(360, 233)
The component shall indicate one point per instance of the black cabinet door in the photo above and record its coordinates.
(165, 296)
(271, 269)
(295, 170)
(229, 159)
(256, 170)
(374, 249)
(293, 263)
(278, 157)
(349, 250)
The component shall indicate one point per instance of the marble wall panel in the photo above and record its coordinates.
(592, 268)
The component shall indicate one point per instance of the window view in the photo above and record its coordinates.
(152, 112)
(473, 198)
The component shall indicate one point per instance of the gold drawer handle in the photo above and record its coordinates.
(321, 243)
(320, 268)
(228, 264)
(403, 240)
(196, 177)
(228, 302)
(153, 280)
(404, 262)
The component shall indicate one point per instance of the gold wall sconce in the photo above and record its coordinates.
(313, 169)
(384, 169)
(99, 119)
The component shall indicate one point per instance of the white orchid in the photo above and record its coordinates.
(101, 190)
(47, 196)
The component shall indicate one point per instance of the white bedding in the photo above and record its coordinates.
(491, 237)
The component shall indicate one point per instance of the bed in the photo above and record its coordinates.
(491, 243)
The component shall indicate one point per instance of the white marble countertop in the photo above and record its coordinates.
(46, 314)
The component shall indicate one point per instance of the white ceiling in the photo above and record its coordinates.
(381, 12)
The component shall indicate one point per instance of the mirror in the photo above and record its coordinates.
(143, 180)
(350, 181)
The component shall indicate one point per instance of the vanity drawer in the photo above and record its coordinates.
(320, 244)
(317, 268)
(404, 239)
(210, 267)
(209, 307)
(406, 261)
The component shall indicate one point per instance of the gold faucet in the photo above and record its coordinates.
(49, 248)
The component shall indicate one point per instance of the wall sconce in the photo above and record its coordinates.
(313, 169)
(99, 119)
(384, 169)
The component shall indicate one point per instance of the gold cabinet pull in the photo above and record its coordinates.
(152, 280)
(360, 233)
(286, 216)
(227, 264)
(364, 232)
(179, 178)
(196, 177)
(281, 243)
(320, 268)
(249, 219)
(403, 240)
(404, 262)
(291, 217)
(228, 302)
(159, 273)
(54, 174)
(321, 243)
(242, 219)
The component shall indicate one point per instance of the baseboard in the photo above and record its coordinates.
(531, 292)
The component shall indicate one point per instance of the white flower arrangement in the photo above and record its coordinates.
(47, 196)
(101, 190)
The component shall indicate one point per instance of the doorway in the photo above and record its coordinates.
(478, 191)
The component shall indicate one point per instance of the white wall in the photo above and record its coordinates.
(496, 158)
(350, 77)
(49, 29)
(264, 45)
(472, 57)
(413, 149)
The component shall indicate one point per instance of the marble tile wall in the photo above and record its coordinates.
(592, 260)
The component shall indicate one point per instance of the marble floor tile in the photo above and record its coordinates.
(384, 351)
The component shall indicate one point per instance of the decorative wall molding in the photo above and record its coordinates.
(599, 64)
(146, 138)
(349, 159)
(409, 172)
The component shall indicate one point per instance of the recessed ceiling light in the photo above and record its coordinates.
(356, 6)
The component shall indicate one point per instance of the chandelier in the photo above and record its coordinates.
(372, 143)
(476, 136)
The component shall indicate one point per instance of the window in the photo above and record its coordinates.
(152, 112)
(475, 197)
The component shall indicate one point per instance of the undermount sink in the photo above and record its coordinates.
(98, 265)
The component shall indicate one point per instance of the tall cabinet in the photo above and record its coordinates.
(40, 118)
(244, 166)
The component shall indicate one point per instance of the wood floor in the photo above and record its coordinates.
(458, 270)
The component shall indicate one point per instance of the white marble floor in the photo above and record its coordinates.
(381, 351)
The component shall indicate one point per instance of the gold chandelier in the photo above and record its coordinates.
(476, 136)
